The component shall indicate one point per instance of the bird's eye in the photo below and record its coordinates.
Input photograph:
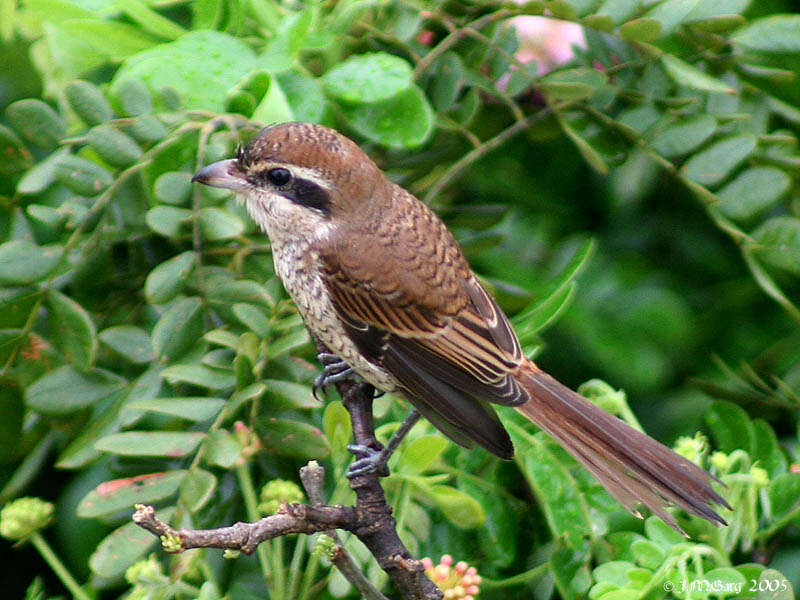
(279, 176)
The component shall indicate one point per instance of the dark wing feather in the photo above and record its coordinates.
(414, 307)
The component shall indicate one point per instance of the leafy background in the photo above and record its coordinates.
(639, 202)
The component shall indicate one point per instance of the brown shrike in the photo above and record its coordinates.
(381, 282)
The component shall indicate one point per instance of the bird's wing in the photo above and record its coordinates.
(411, 304)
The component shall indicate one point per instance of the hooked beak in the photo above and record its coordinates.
(222, 174)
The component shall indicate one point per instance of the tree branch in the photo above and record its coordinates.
(370, 519)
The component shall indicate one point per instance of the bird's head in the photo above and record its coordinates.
(299, 178)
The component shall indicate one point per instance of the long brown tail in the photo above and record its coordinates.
(633, 467)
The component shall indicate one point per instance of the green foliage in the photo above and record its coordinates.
(643, 208)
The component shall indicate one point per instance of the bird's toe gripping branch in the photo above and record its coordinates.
(370, 460)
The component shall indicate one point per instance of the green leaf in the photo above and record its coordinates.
(461, 510)
(713, 164)
(419, 454)
(661, 533)
(570, 567)
(572, 84)
(121, 494)
(562, 502)
(776, 33)
(194, 408)
(36, 122)
(73, 330)
(150, 20)
(123, 547)
(80, 450)
(589, 154)
(288, 342)
(618, 10)
(685, 74)
(274, 106)
(726, 578)
(22, 262)
(773, 585)
(403, 121)
(292, 438)
(178, 329)
(168, 220)
(134, 98)
(304, 96)
(753, 191)
(197, 488)
(17, 158)
(768, 450)
(647, 554)
(294, 395)
(779, 243)
(219, 224)
(173, 187)
(368, 78)
(82, 176)
(241, 290)
(203, 67)
(446, 85)
(167, 280)
(640, 118)
(170, 444)
(684, 135)
(641, 30)
(671, 13)
(200, 375)
(337, 425)
(289, 39)
(731, 427)
(129, 341)
(66, 390)
(116, 41)
(222, 448)
(614, 572)
(717, 24)
(544, 313)
(114, 147)
(41, 175)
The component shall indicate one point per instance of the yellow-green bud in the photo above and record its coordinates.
(324, 546)
(230, 553)
(144, 571)
(277, 491)
(760, 476)
(720, 460)
(171, 543)
(25, 516)
(692, 448)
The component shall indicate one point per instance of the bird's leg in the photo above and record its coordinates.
(333, 369)
(372, 460)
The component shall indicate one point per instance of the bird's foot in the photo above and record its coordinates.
(370, 460)
(334, 369)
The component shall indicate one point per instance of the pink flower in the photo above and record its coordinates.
(457, 583)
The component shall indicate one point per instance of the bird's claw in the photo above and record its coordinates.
(369, 460)
(334, 369)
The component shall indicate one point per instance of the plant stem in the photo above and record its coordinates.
(251, 506)
(58, 567)
(517, 579)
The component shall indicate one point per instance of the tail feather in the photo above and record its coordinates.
(633, 467)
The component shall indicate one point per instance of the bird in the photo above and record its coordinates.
(382, 283)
